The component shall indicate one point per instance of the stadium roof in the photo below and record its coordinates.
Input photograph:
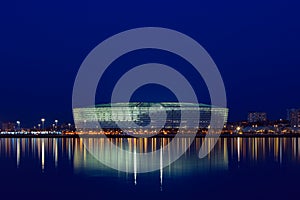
(149, 104)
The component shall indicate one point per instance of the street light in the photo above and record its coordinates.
(39, 125)
(69, 126)
(239, 130)
(19, 125)
(56, 124)
(43, 123)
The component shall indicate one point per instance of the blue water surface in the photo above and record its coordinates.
(237, 168)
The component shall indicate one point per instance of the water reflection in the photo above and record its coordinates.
(47, 155)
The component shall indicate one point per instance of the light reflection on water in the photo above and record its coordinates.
(47, 154)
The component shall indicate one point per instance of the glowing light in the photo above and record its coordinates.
(18, 153)
(43, 156)
(161, 167)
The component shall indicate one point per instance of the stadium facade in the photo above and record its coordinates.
(145, 115)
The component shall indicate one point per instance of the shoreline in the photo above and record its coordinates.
(156, 136)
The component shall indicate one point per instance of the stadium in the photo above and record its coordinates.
(146, 116)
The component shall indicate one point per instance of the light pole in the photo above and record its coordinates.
(19, 125)
(53, 127)
(43, 123)
(239, 130)
(56, 123)
(39, 125)
(69, 126)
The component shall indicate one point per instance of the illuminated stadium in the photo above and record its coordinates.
(142, 115)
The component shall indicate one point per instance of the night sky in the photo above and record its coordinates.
(255, 44)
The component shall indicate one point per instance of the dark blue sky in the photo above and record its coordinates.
(255, 44)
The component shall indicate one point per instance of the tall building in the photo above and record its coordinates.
(294, 117)
(256, 117)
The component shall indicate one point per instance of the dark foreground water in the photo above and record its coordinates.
(237, 168)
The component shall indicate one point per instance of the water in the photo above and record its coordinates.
(237, 168)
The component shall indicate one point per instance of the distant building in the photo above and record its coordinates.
(255, 117)
(288, 112)
(294, 117)
(8, 126)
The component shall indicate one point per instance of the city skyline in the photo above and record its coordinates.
(257, 117)
(51, 120)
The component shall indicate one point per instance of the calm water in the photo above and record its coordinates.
(237, 168)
